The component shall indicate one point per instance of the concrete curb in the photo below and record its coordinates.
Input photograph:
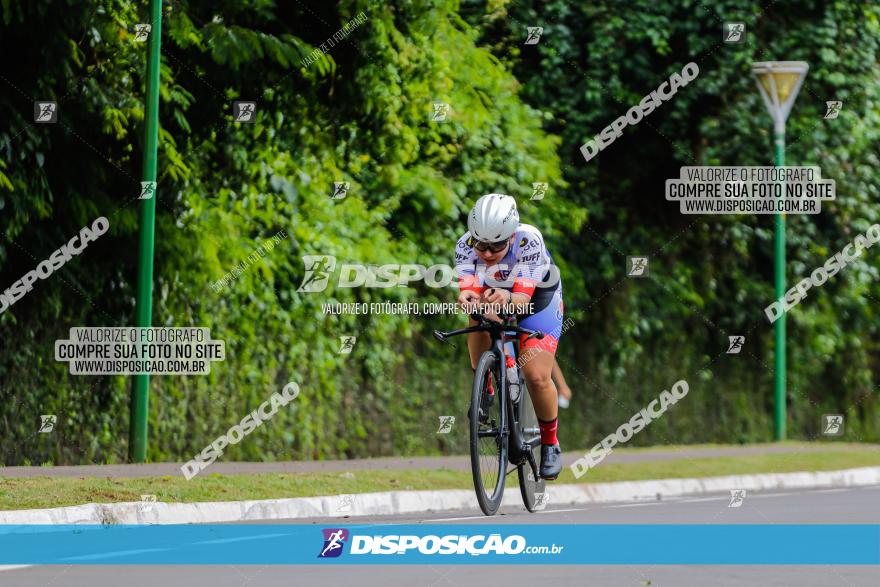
(415, 502)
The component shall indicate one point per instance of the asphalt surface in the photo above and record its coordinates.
(461, 462)
(827, 506)
(447, 575)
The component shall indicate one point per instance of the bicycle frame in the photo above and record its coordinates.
(503, 334)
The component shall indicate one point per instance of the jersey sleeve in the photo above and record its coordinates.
(466, 265)
(531, 261)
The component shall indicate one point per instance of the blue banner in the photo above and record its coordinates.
(852, 544)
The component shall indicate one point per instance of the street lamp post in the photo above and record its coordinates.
(137, 434)
(779, 83)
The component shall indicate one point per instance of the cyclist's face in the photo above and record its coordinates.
(490, 257)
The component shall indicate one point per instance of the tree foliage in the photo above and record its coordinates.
(711, 276)
(362, 114)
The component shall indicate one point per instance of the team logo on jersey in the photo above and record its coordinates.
(523, 242)
(470, 241)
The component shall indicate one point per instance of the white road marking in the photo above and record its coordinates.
(13, 567)
(668, 500)
(583, 509)
(456, 519)
(719, 498)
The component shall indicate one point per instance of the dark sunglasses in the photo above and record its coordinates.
(494, 247)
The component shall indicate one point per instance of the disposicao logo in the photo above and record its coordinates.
(56, 261)
(432, 544)
(634, 115)
(334, 540)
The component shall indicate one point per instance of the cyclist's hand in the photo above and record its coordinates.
(468, 298)
(497, 296)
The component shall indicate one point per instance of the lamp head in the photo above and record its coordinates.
(779, 83)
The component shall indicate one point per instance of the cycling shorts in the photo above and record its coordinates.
(547, 318)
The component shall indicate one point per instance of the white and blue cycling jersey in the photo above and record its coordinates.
(527, 268)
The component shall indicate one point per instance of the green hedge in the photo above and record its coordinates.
(362, 114)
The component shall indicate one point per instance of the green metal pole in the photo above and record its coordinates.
(779, 267)
(137, 440)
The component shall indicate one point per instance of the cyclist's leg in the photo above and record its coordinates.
(539, 356)
(537, 374)
(536, 370)
(478, 343)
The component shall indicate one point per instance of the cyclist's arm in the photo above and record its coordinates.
(515, 301)
(470, 286)
(468, 294)
(531, 262)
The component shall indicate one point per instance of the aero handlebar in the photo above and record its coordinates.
(486, 325)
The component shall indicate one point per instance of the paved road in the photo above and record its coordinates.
(445, 576)
(393, 463)
(858, 505)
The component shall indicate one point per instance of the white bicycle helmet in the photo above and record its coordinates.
(493, 218)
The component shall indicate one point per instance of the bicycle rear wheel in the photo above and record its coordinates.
(488, 448)
(534, 491)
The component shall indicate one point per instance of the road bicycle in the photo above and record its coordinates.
(503, 427)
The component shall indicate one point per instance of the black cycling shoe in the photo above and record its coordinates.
(551, 461)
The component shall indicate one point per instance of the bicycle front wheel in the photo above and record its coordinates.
(488, 448)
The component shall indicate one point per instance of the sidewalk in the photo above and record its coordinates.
(419, 503)
(455, 463)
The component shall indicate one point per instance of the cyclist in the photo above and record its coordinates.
(500, 261)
